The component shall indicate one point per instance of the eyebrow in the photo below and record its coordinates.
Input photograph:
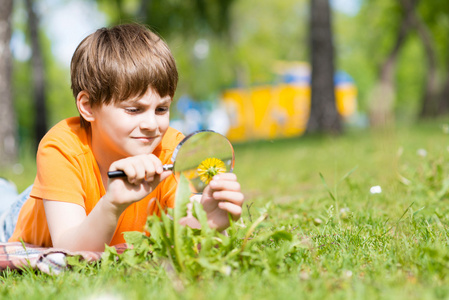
(164, 100)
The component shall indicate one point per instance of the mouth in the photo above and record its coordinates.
(146, 139)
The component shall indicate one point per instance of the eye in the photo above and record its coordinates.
(132, 110)
(162, 110)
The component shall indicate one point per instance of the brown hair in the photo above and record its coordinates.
(114, 64)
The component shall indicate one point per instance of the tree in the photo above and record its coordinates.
(323, 113)
(8, 126)
(383, 95)
(190, 17)
(443, 97)
(429, 99)
(435, 18)
(38, 74)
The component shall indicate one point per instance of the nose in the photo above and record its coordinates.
(148, 122)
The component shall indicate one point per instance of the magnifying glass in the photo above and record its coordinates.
(195, 154)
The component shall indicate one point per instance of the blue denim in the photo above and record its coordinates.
(8, 193)
(10, 205)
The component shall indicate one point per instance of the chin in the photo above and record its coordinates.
(144, 150)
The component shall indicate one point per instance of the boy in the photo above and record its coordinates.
(123, 79)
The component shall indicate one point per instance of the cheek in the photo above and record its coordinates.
(164, 122)
(122, 125)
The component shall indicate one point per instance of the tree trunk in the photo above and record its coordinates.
(38, 73)
(383, 95)
(443, 97)
(142, 14)
(323, 112)
(428, 102)
(8, 125)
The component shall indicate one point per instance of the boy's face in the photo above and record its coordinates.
(131, 127)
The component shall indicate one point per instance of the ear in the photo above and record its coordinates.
(84, 106)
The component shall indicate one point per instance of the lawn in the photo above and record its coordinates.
(324, 235)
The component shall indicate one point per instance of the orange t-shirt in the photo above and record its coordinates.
(67, 171)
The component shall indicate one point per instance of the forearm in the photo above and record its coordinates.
(93, 232)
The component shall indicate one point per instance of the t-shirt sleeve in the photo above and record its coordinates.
(59, 175)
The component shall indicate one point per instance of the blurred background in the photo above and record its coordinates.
(250, 69)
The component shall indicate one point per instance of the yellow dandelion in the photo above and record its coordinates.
(210, 167)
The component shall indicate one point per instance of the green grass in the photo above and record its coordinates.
(350, 243)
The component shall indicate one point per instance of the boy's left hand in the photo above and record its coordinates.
(220, 197)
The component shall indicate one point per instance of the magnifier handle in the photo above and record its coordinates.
(115, 174)
(167, 167)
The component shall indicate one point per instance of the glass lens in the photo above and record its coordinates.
(200, 152)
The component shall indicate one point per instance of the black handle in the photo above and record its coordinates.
(116, 174)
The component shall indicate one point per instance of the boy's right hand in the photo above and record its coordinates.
(71, 228)
(144, 172)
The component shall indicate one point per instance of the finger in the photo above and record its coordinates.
(221, 184)
(150, 169)
(153, 167)
(195, 198)
(135, 172)
(225, 176)
(130, 172)
(234, 210)
(117, 165)
(164, 175)
(154, 180)
(157, 164)
(229, 196)
(140, 173)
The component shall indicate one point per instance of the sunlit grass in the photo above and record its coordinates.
(353, 244)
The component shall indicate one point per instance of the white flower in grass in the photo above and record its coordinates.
(347, 273)
(226, 270)
(344, 213)
(344, 210)
(317, 221)
(375, 189)
(422, 152)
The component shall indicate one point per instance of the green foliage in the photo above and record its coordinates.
(429, 177)
(437, 18)
(193, 253)
(246, 38)
(192, 17)
(310, 228)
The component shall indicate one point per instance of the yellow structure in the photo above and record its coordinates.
(269, 112)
